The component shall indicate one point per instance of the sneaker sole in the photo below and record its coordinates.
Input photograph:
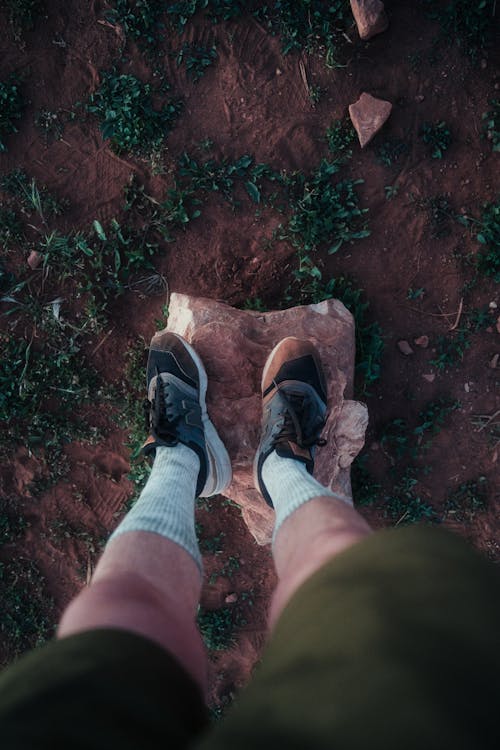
(219, 472)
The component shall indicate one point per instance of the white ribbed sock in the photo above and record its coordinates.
(290, 485)
(166, 504)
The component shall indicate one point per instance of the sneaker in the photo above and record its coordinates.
(294, 406)
(176, 410)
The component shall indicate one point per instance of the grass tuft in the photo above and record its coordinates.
(437, 136)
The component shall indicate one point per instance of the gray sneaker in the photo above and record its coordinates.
(294, 406)
(176, 410)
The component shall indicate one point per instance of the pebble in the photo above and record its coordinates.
(422, 341)
(405, 348)
(494, 361)
(493, 305)
(429, 376)
(34, 259)
(231, 598)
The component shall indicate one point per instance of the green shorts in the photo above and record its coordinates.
(393, 644)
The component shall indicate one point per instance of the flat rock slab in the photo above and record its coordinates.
(370, 17)
(368, 115)
(234, 345)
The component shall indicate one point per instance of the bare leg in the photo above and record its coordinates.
(146, 584)
(309, 537)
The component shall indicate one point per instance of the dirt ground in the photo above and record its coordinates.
(255, 101)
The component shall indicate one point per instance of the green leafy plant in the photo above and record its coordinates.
(128, 119)
(487, 232)
(213, 176)
(11, 108)
(218, 626)
(315, 94)
(450, 350)
(32, 378)
(467, 500)
(400, 439)
(182, 12)
(196, 59)
(438, 137)
(21, 15)
(314, 26)
(326, 213)
(391, 191)
(431, 420)
(140, 19)
(11, 229)
(404, 505)
(27, 613)
(340, 136)
(230, 567)
(365, 488)
(468, 23)
(415, 293)
(390, 151)
(491, 124)
(12, 522)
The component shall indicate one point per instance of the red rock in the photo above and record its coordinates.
(430, 377)
(422, 341)
(405, 348)
(368, 115)
(34, 259)
(370, 17)
(234, 345)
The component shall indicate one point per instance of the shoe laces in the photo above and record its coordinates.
(295, 407)
(159, 420)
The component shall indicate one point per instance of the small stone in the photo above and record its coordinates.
(419, 98)
(494, 361)
(467, 387)
(231, 598)
(279, 72)
(422, 341)
(34, 259)
(370, 17)
(405, 348)
(368, 115)
(429, 376)
(493, 305)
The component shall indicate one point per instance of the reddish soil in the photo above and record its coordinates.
(254, 101)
